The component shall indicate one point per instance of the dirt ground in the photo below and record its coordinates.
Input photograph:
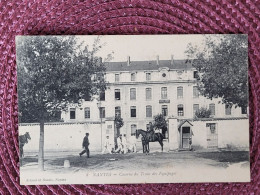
(135, 161)
(182, 166)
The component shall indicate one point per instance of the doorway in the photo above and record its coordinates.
(185, 136)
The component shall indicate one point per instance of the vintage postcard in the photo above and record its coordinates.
(133, 109)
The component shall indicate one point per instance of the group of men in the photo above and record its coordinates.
(123, 145)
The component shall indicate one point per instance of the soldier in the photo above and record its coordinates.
(132, 143)
(107, 146)
(124, 144)
(85, 145)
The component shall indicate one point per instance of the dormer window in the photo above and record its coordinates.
(195, 74)
(163, 74)
(116, 77)
(133, 76)
(148, 76)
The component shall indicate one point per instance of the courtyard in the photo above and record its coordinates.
(192, 164)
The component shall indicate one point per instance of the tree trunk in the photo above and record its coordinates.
(118, 132)
(41, 147)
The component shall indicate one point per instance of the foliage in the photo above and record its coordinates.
(222, 66)
(119, 122)
(159, 122)
(53, 72)
(203, 112)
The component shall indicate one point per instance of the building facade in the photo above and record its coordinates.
(139, 90)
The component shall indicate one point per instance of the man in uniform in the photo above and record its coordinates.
(85, 145)
(107, 146)
(132, 143)
(124, 144)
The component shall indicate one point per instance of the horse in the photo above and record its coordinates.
(23, 139)
(149, 136)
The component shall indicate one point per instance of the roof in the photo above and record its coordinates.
(148, 65)
(183, 122)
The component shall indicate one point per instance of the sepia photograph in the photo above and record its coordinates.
(118, 109)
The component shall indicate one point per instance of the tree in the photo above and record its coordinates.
(160, 122)
(54, 71)
(202, 113)
(222, 67)
(119, 122)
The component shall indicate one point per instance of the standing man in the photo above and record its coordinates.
(85, 145)
(107, 146)
(132, 143)
(124, 144)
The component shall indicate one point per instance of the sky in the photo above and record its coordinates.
(144, 47)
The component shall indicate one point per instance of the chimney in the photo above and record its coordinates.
(128, 60)
(157, 60)
(172, 59)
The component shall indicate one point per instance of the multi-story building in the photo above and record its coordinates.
(138, 90)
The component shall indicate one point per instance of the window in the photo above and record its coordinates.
(148, 111)
(132, 94)
(148, 93)
(164, 92)
(165, 110)
(227, 109)
(132, 76)
(179, 92)
(133, 111)
(212, 128)
(73, 113)
(195, 75)
(180, 110)
(102, 96)
(102, 112)
(195, 109)
(116, 77)
(212, 109)
(244, 110)
(148, 76)
(87, 112)
(195, 91)
(117, 94)
(118, 111)
(133, 129)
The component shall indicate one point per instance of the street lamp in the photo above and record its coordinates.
(101, 116)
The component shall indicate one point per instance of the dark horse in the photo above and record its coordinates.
(149, 136)
(23, 139)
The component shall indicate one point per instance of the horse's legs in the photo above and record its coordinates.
(147, 148)
(161, 143)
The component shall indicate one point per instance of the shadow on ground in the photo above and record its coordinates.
(29, 160)
(225, 156)
(93, 161)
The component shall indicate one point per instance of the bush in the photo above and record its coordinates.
(159, 122)
(202, 113)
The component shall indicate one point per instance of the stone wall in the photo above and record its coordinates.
(231, 133)
(63, 136)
